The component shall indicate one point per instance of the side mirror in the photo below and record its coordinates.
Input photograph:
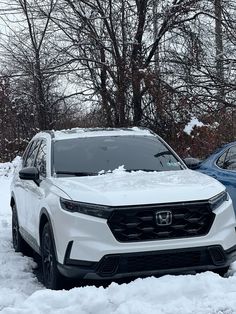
(192, 163)
(31, 173)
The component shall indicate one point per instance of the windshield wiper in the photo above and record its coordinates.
(77, 173)
(146, 170)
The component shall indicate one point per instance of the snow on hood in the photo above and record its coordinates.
(122, 188)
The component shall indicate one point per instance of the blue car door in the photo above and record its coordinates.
(222, 166)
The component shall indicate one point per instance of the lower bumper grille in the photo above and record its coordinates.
(159, 261)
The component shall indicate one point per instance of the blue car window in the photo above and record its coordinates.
(231, 153)
(221, 160)
(230, 160)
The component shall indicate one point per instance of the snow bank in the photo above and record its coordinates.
(7, 168)
(205, 293)
(21, 293)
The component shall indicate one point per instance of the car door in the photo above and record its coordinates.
(22, 186)
(37, 193)
(226, 173)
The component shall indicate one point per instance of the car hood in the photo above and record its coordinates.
(123, 188)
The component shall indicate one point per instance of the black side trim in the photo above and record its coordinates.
(231, 250)
(30, 240)
(69, 261)
(231, 253)
(12, 200)
(68, 251)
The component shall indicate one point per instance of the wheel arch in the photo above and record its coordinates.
(45, 218)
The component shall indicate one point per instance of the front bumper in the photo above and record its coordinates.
(115, 266)
(92, 238)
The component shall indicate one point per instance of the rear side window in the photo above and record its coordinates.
(26, 153)
(231, 154)
(228, 159)
(221, 160)
(32, 152)
(40, 162)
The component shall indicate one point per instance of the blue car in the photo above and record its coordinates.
(220, 165)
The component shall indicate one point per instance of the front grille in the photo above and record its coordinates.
(160, 261)
(139, 223)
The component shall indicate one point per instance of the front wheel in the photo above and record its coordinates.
(51, 276)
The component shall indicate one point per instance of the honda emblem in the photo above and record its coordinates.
(164, 218)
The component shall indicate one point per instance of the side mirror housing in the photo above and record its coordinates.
(192, 163)
(31, 173)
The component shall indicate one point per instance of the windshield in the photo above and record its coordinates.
(94, 155)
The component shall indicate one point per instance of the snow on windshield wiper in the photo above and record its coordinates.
(77, 173)
(126, 170)
(146, 170)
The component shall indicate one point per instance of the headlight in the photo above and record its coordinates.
(218, 200)
(85, 208)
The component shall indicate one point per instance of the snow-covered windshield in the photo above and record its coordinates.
(94, 155)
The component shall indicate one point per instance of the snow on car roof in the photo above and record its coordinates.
(93, 132)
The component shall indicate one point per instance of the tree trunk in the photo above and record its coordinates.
(219, 50)
(104, 93)
(42, 109)
(137, 98)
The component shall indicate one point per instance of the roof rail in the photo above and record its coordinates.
(50, 132)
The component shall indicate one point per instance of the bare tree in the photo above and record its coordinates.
(141, 62)
(113, 48)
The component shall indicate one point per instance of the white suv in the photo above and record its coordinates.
(111, 203)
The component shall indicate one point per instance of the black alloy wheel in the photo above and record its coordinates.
(18, 242)
(51, 276)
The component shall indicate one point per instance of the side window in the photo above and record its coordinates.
(230, 160)
(231, 153)
(221, 160)
(40, 162)
(24, 157)
(29, 161)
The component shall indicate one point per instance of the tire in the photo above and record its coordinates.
(51, 277)
(18, 242)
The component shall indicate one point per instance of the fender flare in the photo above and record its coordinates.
(44, 212)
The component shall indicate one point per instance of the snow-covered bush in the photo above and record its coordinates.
(8, 168)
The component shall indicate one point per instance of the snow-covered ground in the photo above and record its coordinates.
(20, 291)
